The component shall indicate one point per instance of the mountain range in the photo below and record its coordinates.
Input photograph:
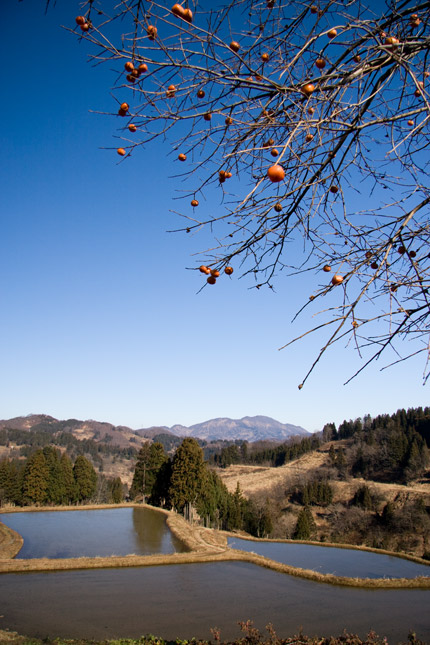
(250, 429)
(258, 428)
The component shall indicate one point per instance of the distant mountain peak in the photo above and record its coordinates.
(251, 429)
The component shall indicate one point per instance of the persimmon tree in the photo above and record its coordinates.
(312, 122)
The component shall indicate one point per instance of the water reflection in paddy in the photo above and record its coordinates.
(102, 532)
(340, 562)
(187, 600)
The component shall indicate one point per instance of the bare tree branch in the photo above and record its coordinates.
(312, 121)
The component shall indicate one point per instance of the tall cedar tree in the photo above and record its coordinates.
(213, 501)
(35, 480)
(187, 477)
(86, 478)
(56, 491)
(69, 478)
(138, 486)
(10, 482)
(146, 479)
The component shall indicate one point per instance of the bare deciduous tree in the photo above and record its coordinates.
(313, 122)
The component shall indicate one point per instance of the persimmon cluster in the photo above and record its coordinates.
(213, 274)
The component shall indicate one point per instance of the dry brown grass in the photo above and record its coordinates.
(10, 542)
(257, 479)
(254, 480)
(11, 637)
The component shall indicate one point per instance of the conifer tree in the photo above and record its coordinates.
(417, 459)
(160, 494)
(363, 497)
(116, 490)
(155, 481)
(85, 477)
(236, 509)
(138, 486)
(8, 479)
(56, 491)
(187, 474)
(212, 503)
(14, 489)
(305, 527)
(149, 474)
(71, 490)
(35, 480)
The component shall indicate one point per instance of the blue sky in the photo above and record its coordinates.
(100, 315)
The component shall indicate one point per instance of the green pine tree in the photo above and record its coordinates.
(14, 488)
(5, 481)
(187, 476)
(363, 497)
(160, 495)
(236, 509)
(85, 477)
(71, 489)
(150, 474)
(212, 501)
(305, 527)
(138, 486)
(35, 479)
(56, 491)
(116, 490)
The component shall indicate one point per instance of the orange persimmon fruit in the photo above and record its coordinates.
(276, 173)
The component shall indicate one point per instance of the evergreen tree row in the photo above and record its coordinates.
(49, 477)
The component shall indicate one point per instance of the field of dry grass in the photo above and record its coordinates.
(254, 480)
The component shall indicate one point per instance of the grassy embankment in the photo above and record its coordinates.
(204, 545)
